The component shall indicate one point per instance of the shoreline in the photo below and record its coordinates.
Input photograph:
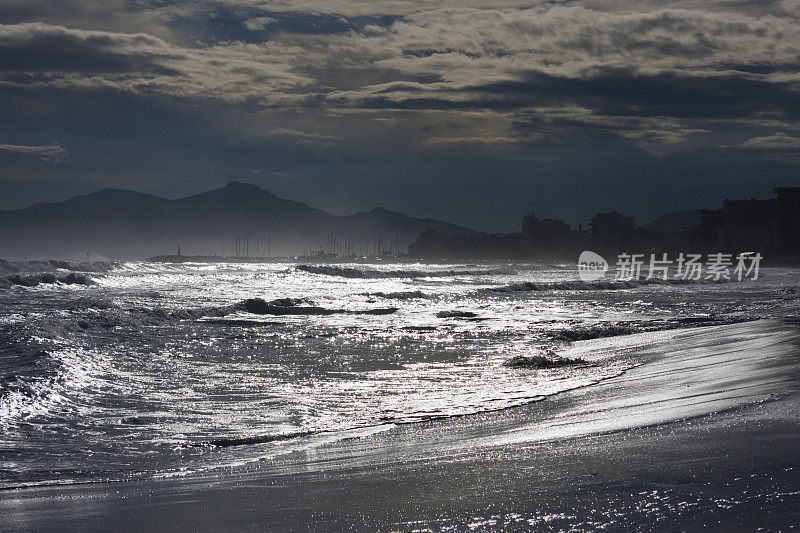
(712, 403)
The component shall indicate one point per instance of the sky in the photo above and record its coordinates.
(473, 112)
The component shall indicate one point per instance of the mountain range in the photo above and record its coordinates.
(238, 219)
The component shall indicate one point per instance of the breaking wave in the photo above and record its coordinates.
(601, 285)
(104, 313)
(27, 372)
(399, 295)
(372, 273)
(456, 314)
(34, 378)
(543, 362)
(33, 280)
(616, 329)
(50, 265)
(89, 313)
(289, 306)
(227, 442)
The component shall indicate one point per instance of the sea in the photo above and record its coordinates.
(138, 370)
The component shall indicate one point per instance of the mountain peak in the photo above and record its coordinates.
(381, 211)
(233, 192)
(126, 224)
(113, 190)
(238, 185)
(238, 189)
(112, 193)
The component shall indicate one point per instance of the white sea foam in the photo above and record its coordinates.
(155, 357)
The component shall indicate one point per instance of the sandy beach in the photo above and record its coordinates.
(702, 434)
(399, 265)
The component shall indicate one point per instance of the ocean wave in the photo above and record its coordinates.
(51, 265)
(38, 380)
(92, 302)
(372, 273)
(227, 442)
(239, 322)
(600, 285)
(615, 329)
(288, 306)
(398, 295)
(93, 313)
(47, 278)
(28, 374)
(456, 314)
(114, 318)
(543, 362)
(600, 331)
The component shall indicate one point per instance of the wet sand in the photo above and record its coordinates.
(703, 433)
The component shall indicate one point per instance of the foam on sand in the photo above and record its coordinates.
(688, 373)
(489, 468)
(684, 374)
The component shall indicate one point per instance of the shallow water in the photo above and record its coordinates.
(150, 369)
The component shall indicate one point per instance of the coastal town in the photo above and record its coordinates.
(767, 226)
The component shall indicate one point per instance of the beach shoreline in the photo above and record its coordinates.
(703, 435)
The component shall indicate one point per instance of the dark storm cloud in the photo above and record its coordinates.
(676, 63)
(315, 91)
(613, 92)
(33, 48)
(623, 92)
(540, 51)
(41, 55)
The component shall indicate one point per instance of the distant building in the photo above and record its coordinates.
(771, 225)
(610, 224)
(528, 224)
(548, 230)
(767, 226)
(709, 232)
(749, 225)
(787, 218)
(711, 218)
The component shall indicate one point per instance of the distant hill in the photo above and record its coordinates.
(675, 221)
(120, 224)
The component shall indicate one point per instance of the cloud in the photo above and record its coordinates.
(779, 147)
(303, 137)
(691, 69)
(474, 140)
(791, 6)
(474, 47)
(259, 23)
(674, 62)
(53, 153)
(361, 8)
(108, 15)
(778, 141)
(35, 55)
(650, 75)
(367, 95)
